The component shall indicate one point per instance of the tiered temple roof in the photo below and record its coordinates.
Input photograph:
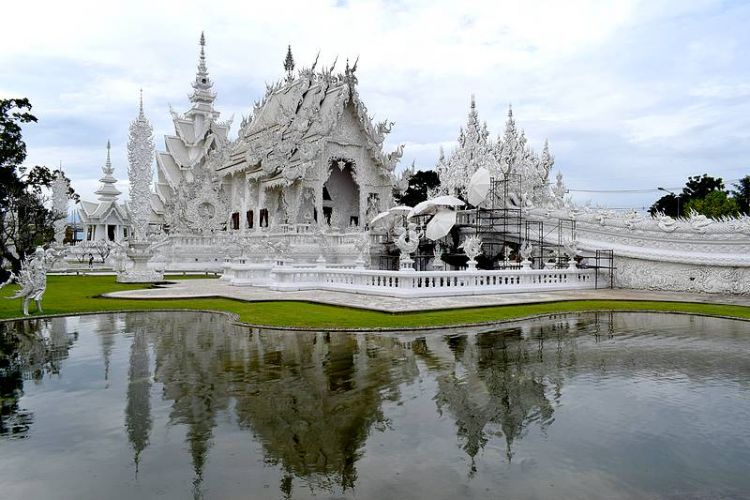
(197, 132)
(287, 127)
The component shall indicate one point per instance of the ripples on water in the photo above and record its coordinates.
(173, 405)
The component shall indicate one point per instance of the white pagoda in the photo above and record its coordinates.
(186, 193)
(106, 219)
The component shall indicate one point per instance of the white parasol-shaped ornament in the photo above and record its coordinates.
(479, 186)
(440, 224)
(401, 210)
(380, 217)
(432, 205)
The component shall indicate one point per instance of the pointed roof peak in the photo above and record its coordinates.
(289, 60)
(202, 85)
(202, 57)
(108, 164)
(107, 190)
(473, 102)
(140, 107)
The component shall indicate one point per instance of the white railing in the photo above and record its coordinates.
(410, 283)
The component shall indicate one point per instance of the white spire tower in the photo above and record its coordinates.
(140, 172)
(203, 95)
(107, 190)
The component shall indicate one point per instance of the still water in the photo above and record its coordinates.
(182, 405)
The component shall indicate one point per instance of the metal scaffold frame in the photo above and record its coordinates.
(500, 225)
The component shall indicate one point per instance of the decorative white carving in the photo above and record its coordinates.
(32, 278)
(140, 157)
(472, 247)
(59, 189)
(407, 242)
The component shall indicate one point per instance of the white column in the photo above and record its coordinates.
(245, 203)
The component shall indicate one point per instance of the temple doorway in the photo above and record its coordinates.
(343, 192)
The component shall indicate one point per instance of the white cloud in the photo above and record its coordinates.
(637, 86)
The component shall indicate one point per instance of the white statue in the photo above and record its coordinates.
(362, 245)
(570, 247)
(32, 278)
(472, 247)
(407, 242)
(525, 251)
(437, 258)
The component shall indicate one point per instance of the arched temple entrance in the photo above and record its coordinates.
(344, 193)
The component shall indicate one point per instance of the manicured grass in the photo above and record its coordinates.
(77, 294)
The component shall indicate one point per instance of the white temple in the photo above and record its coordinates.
(106, 219)
(289, 205)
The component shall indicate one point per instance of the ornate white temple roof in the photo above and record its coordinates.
(108, 210)
(197, 132)
(287, 125)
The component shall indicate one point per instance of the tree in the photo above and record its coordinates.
(715, 204)
(25, 222)
(696, 188)
(668, 204)
(741, 194)
(13, 112)
(419, 185)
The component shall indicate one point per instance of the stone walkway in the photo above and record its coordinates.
(198, 288)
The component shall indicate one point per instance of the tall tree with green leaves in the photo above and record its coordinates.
(715, 204)
(696, 188)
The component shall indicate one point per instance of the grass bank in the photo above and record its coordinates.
(79, 294)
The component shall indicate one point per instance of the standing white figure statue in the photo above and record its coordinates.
(525, 251)
(437, 258)
(472, 247)
(407, 243)
(570, 247)
(32, 279)
(362, 245)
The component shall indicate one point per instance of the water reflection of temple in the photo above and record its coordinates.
(312, 400)
(492, 384)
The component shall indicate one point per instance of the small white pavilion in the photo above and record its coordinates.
(106, 219)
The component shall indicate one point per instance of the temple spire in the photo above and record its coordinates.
(107, 190)
(289, 61)
(108, 170)
(202, 85)
(140, 113)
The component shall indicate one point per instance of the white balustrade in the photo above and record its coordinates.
(411, 283)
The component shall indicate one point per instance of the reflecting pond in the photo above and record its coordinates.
(180, 405)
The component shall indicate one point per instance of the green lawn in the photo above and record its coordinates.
(75, 294)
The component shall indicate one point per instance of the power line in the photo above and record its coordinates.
(648, 190)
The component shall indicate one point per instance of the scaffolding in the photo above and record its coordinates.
(503, 229)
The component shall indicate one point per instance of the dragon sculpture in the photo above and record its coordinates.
(32, 278)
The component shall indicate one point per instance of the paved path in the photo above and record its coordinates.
(196, 288)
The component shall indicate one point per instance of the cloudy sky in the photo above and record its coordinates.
(631, 94)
